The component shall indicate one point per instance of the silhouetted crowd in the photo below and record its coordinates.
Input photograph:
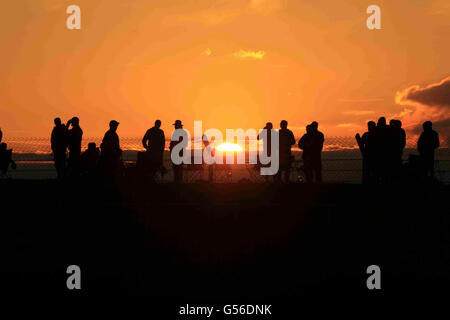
(381, 148)
(92, 163)
(382, 151)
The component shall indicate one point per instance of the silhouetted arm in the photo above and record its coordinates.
(301, 142)
(292, 138)
(53, 140)
(144, 140)
(436, 140)
(322, 140)
(163, 140)
(360, 142)
(403, 139)
(117, 140)
(420, 144)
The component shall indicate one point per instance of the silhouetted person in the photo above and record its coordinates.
(110, 159)
(177, 168)
(74, 137)
(1, 135)
(154, 142)
(382, 151)
(6, 159)
(366, 144)
(286, 140)
(312, 144)
(89, 160)
(397, 142)
(59, 147)
(427, 144)
(268, 127)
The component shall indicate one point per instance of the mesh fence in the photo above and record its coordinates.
(341, 159)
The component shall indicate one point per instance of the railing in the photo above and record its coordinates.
(341, 159)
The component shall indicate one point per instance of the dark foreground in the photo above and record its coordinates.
(225, 244)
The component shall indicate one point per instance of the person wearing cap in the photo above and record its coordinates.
(111, 152)
(74, 137)
(177, 168)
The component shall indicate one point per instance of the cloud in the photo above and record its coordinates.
(347, 125)
(358, 112)
(361, 100)
(437, 125)
(428, 103)
(207, 52)
(441, 126)
(243, 54)
(435, 94)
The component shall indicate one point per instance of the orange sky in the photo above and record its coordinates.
(230, 63)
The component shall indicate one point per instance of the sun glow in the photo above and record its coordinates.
(227, 146)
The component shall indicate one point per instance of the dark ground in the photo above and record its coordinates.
(225, 243)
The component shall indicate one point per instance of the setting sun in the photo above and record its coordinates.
(227, 146)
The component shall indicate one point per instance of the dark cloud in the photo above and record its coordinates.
(436, 95)
(440, 125)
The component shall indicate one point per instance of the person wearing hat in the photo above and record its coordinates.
(178, 124)
(111, 152)
(177, 168)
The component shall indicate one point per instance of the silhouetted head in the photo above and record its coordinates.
(113, 124)
(427, 126)
(283, 124)
(178, 124)
(308, 128)
(3, 146)
(314, 126)
(57, 121)
(395, 124)
(92, 146)
(269, 126)
(371, 126)
(158, 123)
(381, 122)
(75, 121)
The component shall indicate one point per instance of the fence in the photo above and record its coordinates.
(341, 159)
